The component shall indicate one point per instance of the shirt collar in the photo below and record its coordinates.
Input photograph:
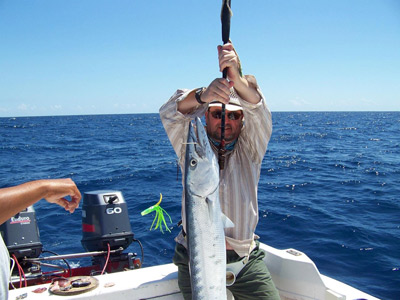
(228, 147)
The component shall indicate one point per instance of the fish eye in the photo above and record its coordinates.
(193, 162)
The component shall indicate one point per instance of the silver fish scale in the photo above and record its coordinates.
(204, 226)
(207, 252)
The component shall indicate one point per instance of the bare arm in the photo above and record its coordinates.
(219, 88)
(15, 199)
(245, 86)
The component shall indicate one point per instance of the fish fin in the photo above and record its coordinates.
(226, 221)
(209, 205)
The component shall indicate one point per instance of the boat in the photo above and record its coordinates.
(293, 272)
(295, 275)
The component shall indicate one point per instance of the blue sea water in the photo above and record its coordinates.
(329, 187)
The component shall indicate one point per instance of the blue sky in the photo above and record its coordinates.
(95, 56)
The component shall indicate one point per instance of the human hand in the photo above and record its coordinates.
(58, 189)
(229, 59)
(219, 90)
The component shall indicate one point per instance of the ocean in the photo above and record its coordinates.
(329, 187)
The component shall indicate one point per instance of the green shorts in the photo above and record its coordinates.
(253, 282)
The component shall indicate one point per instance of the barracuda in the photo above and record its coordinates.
(204, 220)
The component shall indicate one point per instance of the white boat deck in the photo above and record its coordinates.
(294, 274)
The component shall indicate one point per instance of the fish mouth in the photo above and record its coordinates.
(198, 138)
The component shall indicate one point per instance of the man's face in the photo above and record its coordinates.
(233, 124)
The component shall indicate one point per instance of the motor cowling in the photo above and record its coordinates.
(21, 234)
(105, 220)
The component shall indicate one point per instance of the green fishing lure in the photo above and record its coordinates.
(159, 218)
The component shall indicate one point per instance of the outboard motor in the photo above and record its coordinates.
(105, 220)
(21, 234)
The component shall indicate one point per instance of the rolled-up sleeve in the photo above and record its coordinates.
(257, 128)
(175, 123)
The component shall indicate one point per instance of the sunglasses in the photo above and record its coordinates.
(232, 115)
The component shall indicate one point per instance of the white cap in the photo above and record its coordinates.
(234, 103)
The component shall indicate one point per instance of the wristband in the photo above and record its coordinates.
(197, 95)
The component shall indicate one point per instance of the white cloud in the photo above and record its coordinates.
(299, 102)
(23, 107)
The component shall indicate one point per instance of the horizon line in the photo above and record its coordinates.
(150, 113)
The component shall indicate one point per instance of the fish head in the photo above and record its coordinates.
(201, 166)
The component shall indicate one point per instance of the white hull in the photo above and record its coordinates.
(293, 273)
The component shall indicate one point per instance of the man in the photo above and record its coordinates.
(17, 198)
(247, 132)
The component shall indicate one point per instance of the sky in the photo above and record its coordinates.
(70, 57)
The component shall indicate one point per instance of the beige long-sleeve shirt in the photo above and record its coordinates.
(240, 176)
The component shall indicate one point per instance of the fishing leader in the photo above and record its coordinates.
(248, 128)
